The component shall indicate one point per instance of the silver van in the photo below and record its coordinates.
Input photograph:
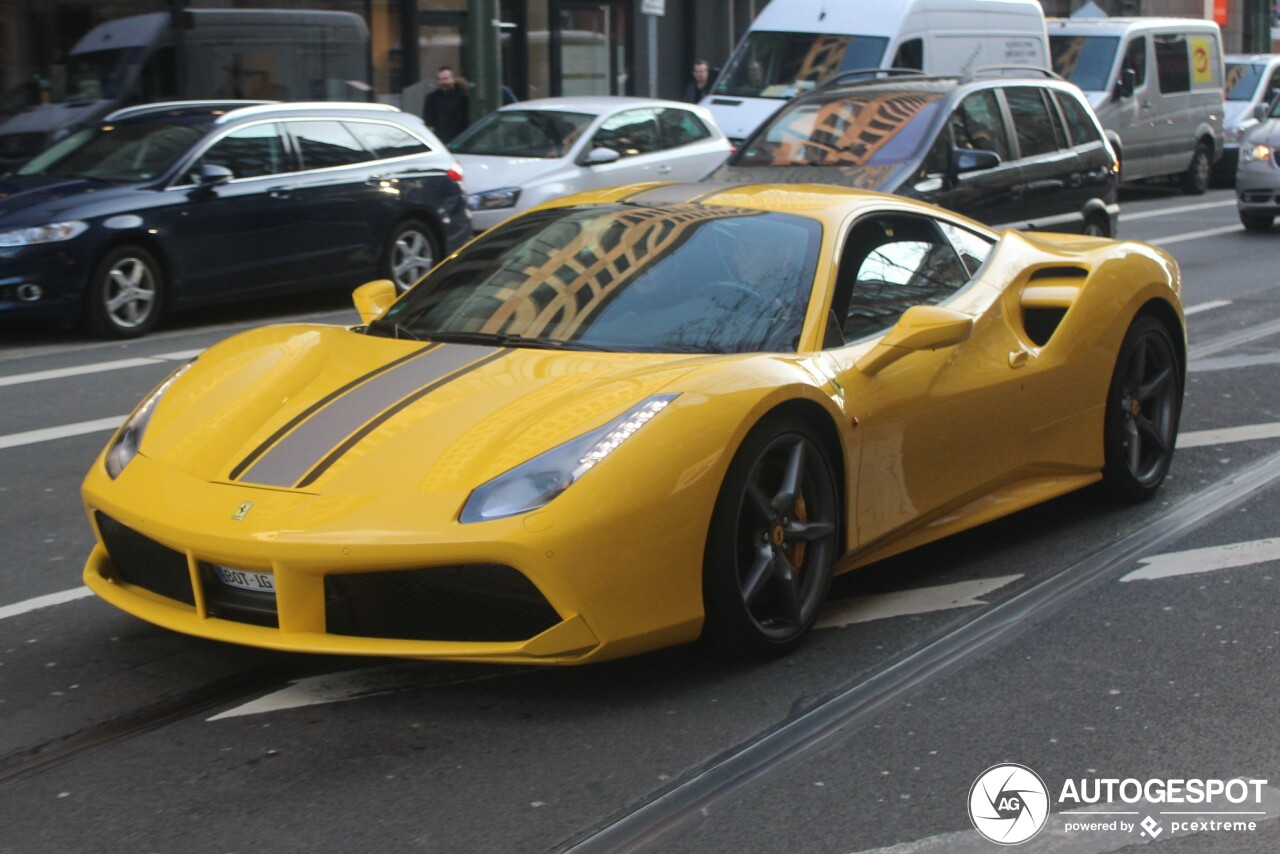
(1156, 85)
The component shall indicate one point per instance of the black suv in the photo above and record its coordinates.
(1009, 152)
(179, 204)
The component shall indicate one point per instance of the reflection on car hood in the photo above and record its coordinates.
(49, 117)
(486, 172)
(337, 412)
(35, 199)
(882, 178)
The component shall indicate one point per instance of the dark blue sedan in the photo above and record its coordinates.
(173, 205)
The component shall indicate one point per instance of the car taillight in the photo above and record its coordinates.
(455, 172)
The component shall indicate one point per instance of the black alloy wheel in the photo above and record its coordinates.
(773, 540)
(1143, 408)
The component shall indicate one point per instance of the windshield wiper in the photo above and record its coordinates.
(510, 340)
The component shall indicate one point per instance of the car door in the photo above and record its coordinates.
(995, 195)
(1095, 158)
(1051, 171)
(938, 427)
(634, 135)
(1134, 118)
(692, 149)
(243, 235)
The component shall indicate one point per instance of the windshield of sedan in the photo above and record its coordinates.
(780, 65)
(1242, 80)
(861, 128)
(523, 133)
(623, 278)
(127, 153)
(1084, 60)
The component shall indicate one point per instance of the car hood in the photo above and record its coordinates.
(1235, 113)
(1268, 132)
(484, 172)
(881, 178)
(331, 411)
(50, 117)
(38, 199)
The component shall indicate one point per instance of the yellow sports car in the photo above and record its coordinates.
(636, 417)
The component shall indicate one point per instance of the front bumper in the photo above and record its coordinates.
(1258, 187)
(42, 281)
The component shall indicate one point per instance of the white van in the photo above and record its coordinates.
(793, 45)
(1156, 85)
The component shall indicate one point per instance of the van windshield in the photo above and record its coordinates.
(1242, 80)
(1084, 60)
(102, 74)
(860, 128)
(128, 153)
(779, 65)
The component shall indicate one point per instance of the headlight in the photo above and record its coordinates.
(494, 199)
(126, 443)
(51, 233)
(1258, 152)
(531, 485)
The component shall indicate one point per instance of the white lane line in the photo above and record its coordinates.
(1193, 235)
(923, 600)
(1206, 306)
(96, 368)
(48, 434)
(1229, 435)
(39, 602)
(1202, 206)
(1205, 560)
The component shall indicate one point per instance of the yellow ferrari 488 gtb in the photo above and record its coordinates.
(636, 417)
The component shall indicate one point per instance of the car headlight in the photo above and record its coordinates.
(494, 199)
(1260, 152)
(124, 447)
(51, 233)
(534, 484)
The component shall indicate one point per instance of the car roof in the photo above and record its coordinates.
(597, 104)
(226, 111)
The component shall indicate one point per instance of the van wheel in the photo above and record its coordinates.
(1096, 225)
(410, 253)
(1196, 179)
(1256, 222)
(126, 294)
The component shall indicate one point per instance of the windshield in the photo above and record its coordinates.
(861, 128)
(120, 153)
(624, 278)
(778, 65)
(523, 133)
(1242, 80)
(1084, 60)
(101, 74)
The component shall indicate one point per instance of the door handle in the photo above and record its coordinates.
(280, 192)
(1018, 358)
(664, 169)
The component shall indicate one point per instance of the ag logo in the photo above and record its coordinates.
(242, 511)
(1008, 804)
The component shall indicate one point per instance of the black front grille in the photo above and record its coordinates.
(144, 563)
(480, 602)
(232, 603)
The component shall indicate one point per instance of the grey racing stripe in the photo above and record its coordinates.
(295, 454)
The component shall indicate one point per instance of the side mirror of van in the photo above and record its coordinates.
(1127, 83)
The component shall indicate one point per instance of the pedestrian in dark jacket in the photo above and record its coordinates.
(700, 86)
(445, 110)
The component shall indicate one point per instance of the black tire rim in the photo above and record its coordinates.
(1148, 408)
(412, 256)
(785, 537)
(129, 293)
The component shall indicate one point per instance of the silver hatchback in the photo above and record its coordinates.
(1258, 173)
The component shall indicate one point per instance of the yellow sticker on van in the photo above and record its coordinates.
(1201, 60)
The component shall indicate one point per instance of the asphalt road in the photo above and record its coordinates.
(118, 736)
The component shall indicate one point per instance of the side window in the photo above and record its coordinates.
(323, 144)
(972, 248)
(1135, 57)
(1031, 121)
(630, 133)
(680, 127)
(891, 262)
(250, 152)
(1083, 129)
(977, 124)
(1173, 67)
(910, 55)
(158, 81)
(386, 140)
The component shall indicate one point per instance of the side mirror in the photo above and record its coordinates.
(972, 160)
(921, 327)
(601, 155)
(1127, 83)
(1260, 111)
(213, 176)
(372, 299)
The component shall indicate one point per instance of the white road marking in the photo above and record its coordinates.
(31, 437)
(1206, 306)
(29, 605)
(922, 600)
(1228, 435)
(1208, 559)
(1193, 235)
(1201, 206)
(96, 368)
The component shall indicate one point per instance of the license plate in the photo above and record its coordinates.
(247, 579)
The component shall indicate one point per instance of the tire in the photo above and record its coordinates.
(1144, 403)
(126, 294)
(1256, 222)
(1097, 225)
(772, 545)
(1195, 181)
(411, 251)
